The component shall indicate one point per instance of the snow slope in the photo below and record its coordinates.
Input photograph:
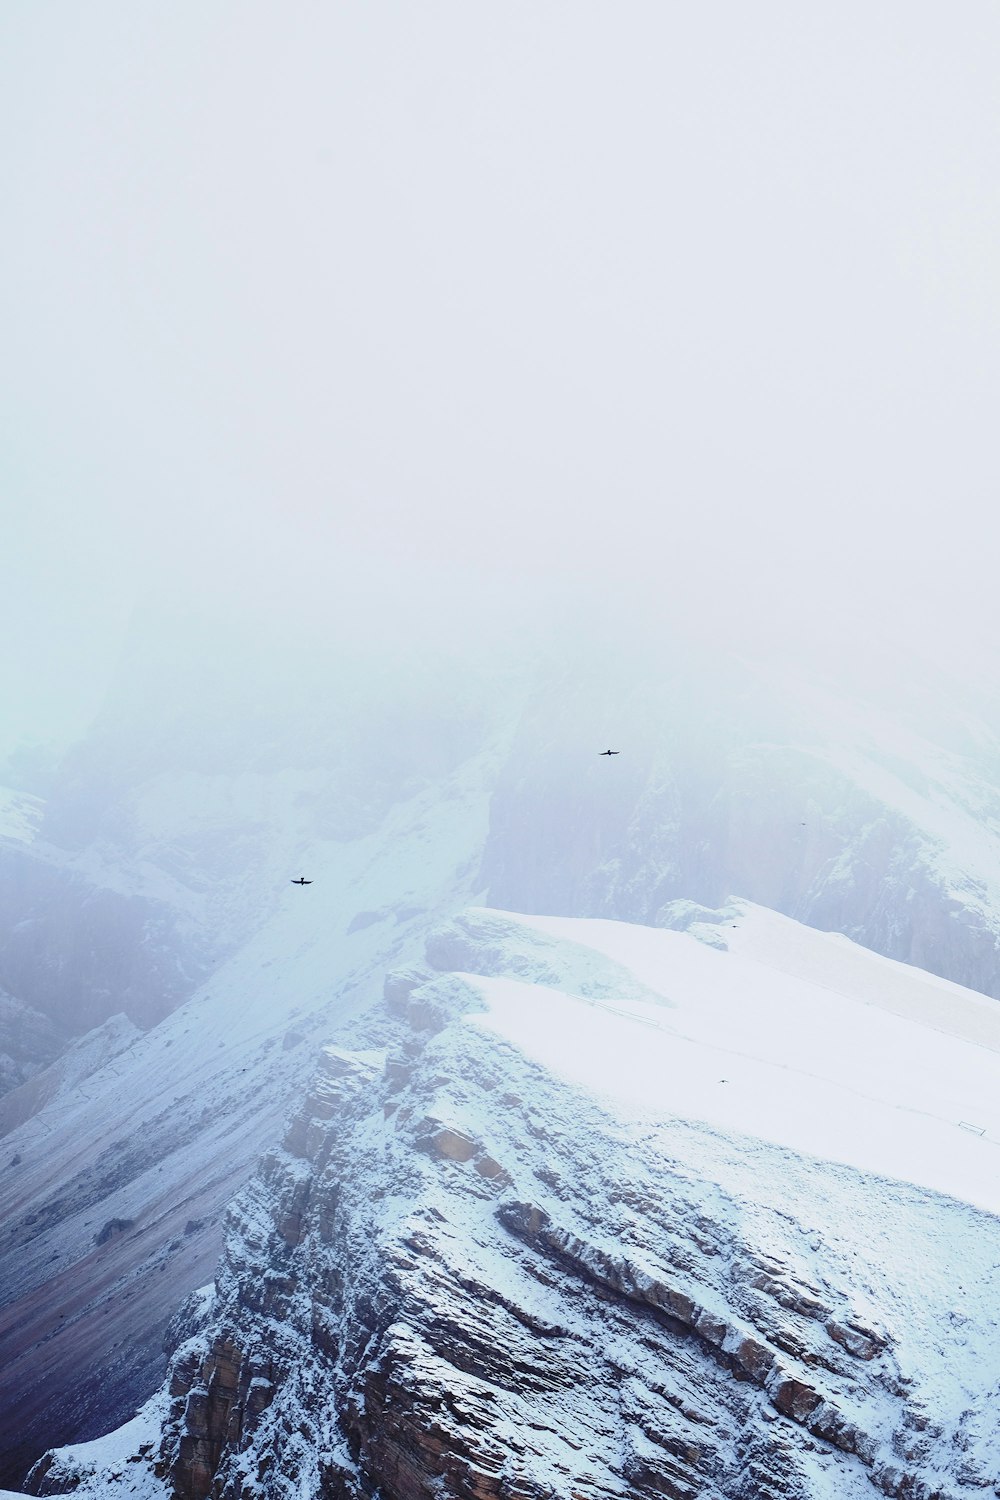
(799, 1037)
(627, 1212)
(160, 1136)
(20, 815)
(170, 836)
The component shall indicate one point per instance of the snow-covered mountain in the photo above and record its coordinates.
(113, 1191)
(120, 1155)
(188, 810)
(872, 809)
(619, 1212)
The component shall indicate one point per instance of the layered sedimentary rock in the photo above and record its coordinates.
(831, 809)
(463, 1277)
(161, 1129)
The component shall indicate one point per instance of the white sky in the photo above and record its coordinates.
(699, 300)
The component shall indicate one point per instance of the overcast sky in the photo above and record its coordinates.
(691, 300)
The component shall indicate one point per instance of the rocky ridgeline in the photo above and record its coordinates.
(162, 853)
(459, 1279)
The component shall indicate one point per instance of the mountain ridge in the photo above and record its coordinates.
(720, 787)
(473, 1270)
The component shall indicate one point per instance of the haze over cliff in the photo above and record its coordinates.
(849, 807)
(403, 405)
(619, 1212)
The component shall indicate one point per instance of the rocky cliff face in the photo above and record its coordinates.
(28, 1039)
(162, 856)
(155, 1132)
(844, 809)
(809, 801)
(462, 1276)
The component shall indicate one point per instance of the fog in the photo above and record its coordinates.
(402, 404)
(533, 313)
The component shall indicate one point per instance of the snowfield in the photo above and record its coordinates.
(799, 1037)
(767, 1131)
(20, 815)
(120, 1463)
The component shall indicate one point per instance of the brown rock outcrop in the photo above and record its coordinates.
(494, 1293)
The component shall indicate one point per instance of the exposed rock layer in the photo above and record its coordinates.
(455, 1282)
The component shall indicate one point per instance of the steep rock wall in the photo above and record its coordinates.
(457, 1281)
(725, 790)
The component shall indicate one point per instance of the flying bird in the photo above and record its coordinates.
(302, 881)
(611, 752)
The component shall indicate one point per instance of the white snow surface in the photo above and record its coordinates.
(769, 1061)
(775, 1067)
(800, 1037)
(120, 1462)
(20, 815)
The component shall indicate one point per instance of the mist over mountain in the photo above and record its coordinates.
(401, 1099)
(166, 847)
(405, 785)
(861, 801)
